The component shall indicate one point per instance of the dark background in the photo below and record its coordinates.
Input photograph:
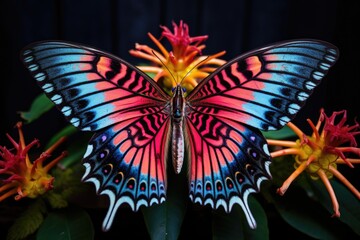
(234, 26)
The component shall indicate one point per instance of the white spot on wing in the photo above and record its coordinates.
(40, 76)
(87, 170)
(48, 87)
(266, 149)
(209, 202)
(317, 75)
(57, 99)
(66, 110)
(283, 120)
(330, 58)
(75, 122)
(140, 203)
(89, 150)
(26, 52)
(302, 96)
(310, 85)
(293, 108)
(28, 59)
(324, 66)
(33, 67)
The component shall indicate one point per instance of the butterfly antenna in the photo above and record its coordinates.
(195, 66)
(164, 65)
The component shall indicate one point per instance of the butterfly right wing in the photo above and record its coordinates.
(126, 109)
(260, 90)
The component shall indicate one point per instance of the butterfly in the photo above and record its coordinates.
(216, 127)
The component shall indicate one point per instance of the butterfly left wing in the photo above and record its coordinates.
(262, 89)
(126, 109)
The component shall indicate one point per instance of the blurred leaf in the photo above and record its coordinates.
(234, 225)
(67, 186)
(29, 221)
(283, 133)
(75, 151)
(65, 132)
(349, 204)
(67, 224)
(305, 215)
(76, 148)
(39, 106)
(56, 200)
(281, 168)
(164, 221)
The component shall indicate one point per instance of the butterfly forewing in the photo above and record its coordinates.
(262, 89)
(96, 91)
(267, 87)
(92, 89)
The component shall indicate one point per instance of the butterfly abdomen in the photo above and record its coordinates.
(177, 137)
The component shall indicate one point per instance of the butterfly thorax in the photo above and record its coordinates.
(177, 136)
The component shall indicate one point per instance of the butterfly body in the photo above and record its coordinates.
(216, 127)
(177, 121)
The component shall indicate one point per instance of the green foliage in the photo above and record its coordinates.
(67, 224)
(307, 207)
(29, 221)
(234, 225)
(164, 221)
(39, 106)
(283, 133)
(56, 200)
(350, 212)
(65, 132)
(305, 215)
(67, 185)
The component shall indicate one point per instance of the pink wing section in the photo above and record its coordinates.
(127, 163)
(97, 91)
(260, 90)
(93, 89)
(267, 87)
(229, 160)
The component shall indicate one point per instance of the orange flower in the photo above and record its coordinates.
(25, 179)
(183, 65)
(320, 153)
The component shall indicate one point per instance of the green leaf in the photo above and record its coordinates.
(164, 221)
(77, 147)
(56, 200)
(67, 224)
(283, 133)
(65, 132)
(234, 225)
(348, 203)
(39, 106)
(29, 221)
(305, 215)
(75, 151)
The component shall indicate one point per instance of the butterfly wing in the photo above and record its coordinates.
(128, 112)
(262, 89)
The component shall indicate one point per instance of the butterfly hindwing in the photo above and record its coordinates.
(229, 160)
(260, 90)
(127, 111)
(126, 162)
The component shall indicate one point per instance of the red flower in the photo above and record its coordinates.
(184, 64)
(320, 153)
(21, 176)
